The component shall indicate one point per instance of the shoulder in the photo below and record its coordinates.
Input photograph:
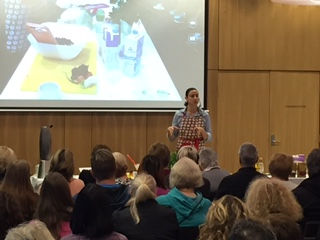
(180, 112)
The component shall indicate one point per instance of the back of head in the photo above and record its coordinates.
(246, 229)
(17, 178)
(33, 230)
(281, 166)
(62, 162)
(248, 155)
(151, 164)
(221, 216)
(161, 151)
(92, 214)
(103, 165)
(208, 158)
(121, 164)
(267, 196)
(7, 156)
(284, 227)
(189, 152)
(143, 188)
(313, 162)
(185, 174)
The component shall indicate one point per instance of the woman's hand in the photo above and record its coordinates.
(171, 130)
(201, 133)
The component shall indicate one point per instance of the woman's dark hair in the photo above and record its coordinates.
(55, 203)
(187, 94)
(152, 165)
(161, 151)
(17, 183)
(92, 214)
(63, 163)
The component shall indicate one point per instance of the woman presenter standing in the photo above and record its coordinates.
(191, 125)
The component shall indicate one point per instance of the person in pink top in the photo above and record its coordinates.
(63, 163)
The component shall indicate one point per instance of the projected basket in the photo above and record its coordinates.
(74, 33)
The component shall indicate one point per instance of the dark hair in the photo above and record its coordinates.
(281, 166)
(187, 94)
(313, 162)
(161, 151)
(10, 213)
(248, 154)
(152, 165)
(55, 203)
(62, 162)
(103, 165)
(98, 147)
(92, 214)
(17, 183)
(246, 229)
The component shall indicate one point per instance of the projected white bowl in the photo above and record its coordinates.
(71, 41)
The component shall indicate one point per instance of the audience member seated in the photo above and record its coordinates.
(267, 196)
(152, 165)
(237, 183)
(284, 227)
(103, 166)
(92, 216)
(7, 156)
(162, 151)
(191, 207)
(55, 205)
(308, 192)
(143, 218)
(86, 175)
(280, 167)
(208, 162)
(10, 213)
(221, 217)
(121, 168)
(63, 163)
(17, 183)
(246, 229)
(33, 230)
(192, 153)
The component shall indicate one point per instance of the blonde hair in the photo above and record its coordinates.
(221, 217)
(185, 174)
(189, 152)
(143, 188)
(268, 196)
(121, 164)
(33, 230)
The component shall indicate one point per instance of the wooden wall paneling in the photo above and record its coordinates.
(294, 111)
(157, 124)
(243, 114)
(212, 102)
(78, 137)
(262, 35)
(21, 132)
(122, 132)
(213, 37)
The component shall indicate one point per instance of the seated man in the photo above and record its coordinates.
(237, 183)
(103, 168)
(308, 192)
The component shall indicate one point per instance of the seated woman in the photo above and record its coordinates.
(17, 183)
(152, 165)
(190, 206)
(63, 163)
(121, 168)
(55, 205)
(7, 156)
(266, 196)
(221, 217)
(92, 216)
(33, 230)
(280, 167)
(143, 217)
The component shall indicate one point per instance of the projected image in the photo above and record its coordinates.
(100, 53)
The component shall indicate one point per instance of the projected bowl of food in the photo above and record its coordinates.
(57, 40)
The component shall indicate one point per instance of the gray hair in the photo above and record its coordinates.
(189, 152)
(208, 158)
(185, 174)
(313, 162)
(248, 154)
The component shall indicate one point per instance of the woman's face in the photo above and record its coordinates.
(193, 98)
